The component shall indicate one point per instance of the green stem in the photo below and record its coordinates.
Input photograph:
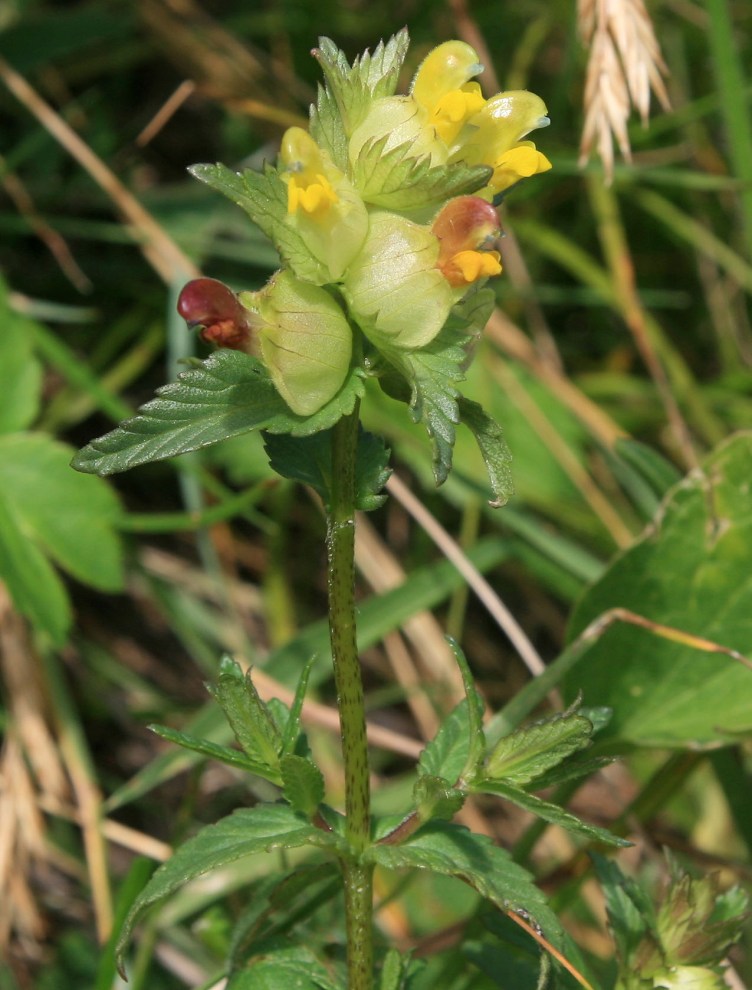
(340, 542)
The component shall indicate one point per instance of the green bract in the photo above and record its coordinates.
(304, 339)
(393, 287)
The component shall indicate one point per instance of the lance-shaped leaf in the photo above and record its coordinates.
(303, 784)
(551, 813)
(291, 730)
(446, 754)
(432, 374)
(493, 447)
(393, 971)
(532, 750)
(227, 394)
(247, 714)
(247, 832)
(215, 751)
(454, 851)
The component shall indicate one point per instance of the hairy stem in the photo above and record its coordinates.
(340, 542)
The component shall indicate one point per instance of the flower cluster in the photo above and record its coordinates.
(383, 215)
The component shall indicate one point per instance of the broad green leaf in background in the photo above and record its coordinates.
(691, 570)
(36, 590)
(246, 832)
(51, 511)
(70, 516)
(20, 372)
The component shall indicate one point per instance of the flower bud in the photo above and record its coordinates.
(467, 229)
(393, 287)
(304, 339)
(213, 308)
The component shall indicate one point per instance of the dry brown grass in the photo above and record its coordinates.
(624, 65)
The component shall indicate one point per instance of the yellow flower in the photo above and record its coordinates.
(322, 204)
(467, 229)
(474, 130)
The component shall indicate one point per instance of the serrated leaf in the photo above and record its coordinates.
(690, 571)
(396, 180)
(291, 731)
(69, 517)
(551, 813)
(248, 716)
(20, 372)
(532, 750)
(263, 196)
(303, 783)
(227, 394)
(370, 77)
(211, 750)
(393, 971)
(454, 851)
(279, 903)
(431, 374)
(572, 769)
(446, 754)
(309, 461)
(476, 740)
(247, 832)
(493, 447)
(281, 965)
(35, 588)
(630, 911)
(327, 130)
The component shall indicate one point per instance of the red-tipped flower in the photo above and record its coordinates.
(211, 307)
(467, 229)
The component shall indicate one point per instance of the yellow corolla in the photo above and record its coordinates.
(478, 131)
(322, 204)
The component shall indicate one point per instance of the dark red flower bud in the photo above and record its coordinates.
(213, 308)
